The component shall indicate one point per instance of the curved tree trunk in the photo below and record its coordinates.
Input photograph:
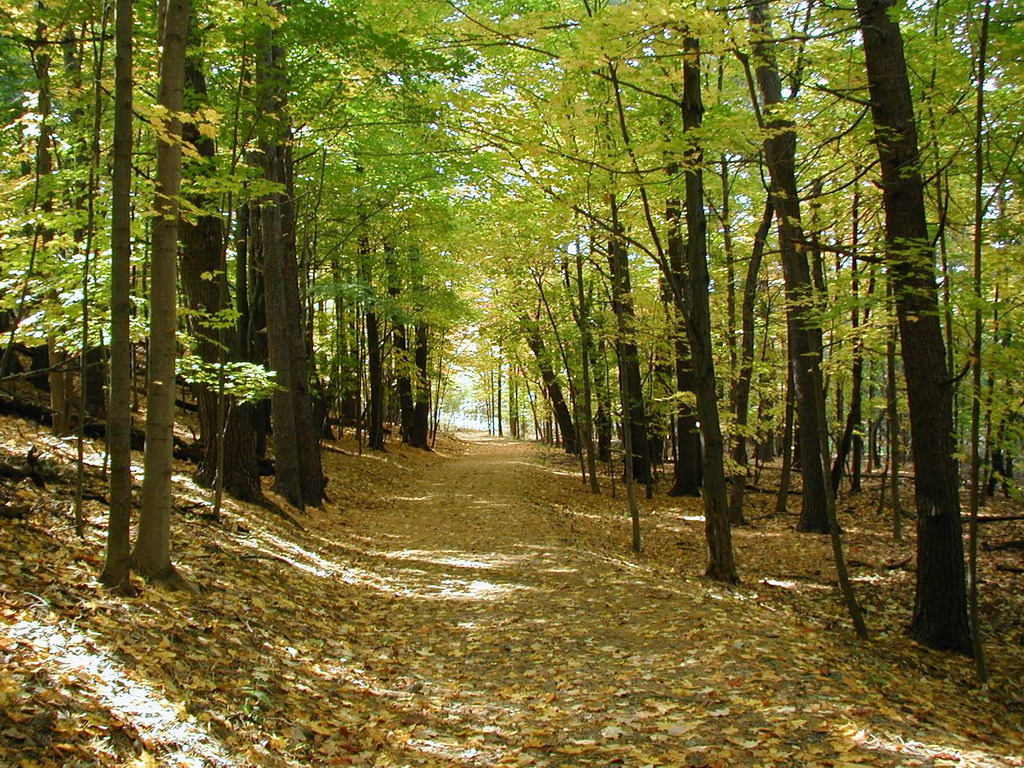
(561, 410)
(741, 386)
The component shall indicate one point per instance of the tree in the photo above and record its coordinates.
(940, 606)
(298, 473)
(151, 555)
(804, 330)
(117, 561)
(204, 279)
(696, 287)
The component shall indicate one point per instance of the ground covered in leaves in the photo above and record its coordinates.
(477, 607)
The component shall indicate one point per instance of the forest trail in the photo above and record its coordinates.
(524, 646)
(472, 607)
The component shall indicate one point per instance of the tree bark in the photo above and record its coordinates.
(204, 280)
(375, 364)
(299, 475)
(634, 418)
(117, 558)
(940, 610)
(152, 555)
(741, 386)
(804, 328)
(696, 288)
(688, 470)
(554, 389)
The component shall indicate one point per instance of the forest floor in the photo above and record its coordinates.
(477, 607)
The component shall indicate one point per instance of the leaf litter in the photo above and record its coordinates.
(477, 607)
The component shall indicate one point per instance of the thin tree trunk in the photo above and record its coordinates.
(741, 385)
(979, 223)
(688, 467)
(635, 416)
(152, 554)
(581, 312)
(554, 389)
(117, 559)
(696, 288)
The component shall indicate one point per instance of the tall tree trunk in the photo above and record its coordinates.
(805, 332)
(940, 610)
(634, 417)
(204, 280)
(298, 474)
(400, 347)
(741, 385)
(419, 433)
(152, 554)
(688, 469)
(696, 288)
(117, 559)
(56, 357)
(374, 351)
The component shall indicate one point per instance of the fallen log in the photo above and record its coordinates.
(1004, 546)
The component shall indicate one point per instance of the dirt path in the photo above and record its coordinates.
(521, 647)
(475, 609)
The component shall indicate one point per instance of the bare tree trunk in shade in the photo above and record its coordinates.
(298, 474)
(204, 281)
(741, 385)
(634, 417)
(551, 383)
(688, 469)
(117, 559)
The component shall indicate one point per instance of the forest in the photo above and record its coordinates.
(344, 342)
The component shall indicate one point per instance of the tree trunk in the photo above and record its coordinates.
(375, 364)
(554, 389)
(634, 418)
(687, 472)
(741, 386)
(298, 474)
(204, 280)
(940, 611)
(805, 333)
(152, 554)
(117, 558)
(696, 288)
(419, 433)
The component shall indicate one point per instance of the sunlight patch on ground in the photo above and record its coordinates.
(455, 558)
(400, 585)
(291, 552)
(802, 584)
(160, 722)
(937, 754)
